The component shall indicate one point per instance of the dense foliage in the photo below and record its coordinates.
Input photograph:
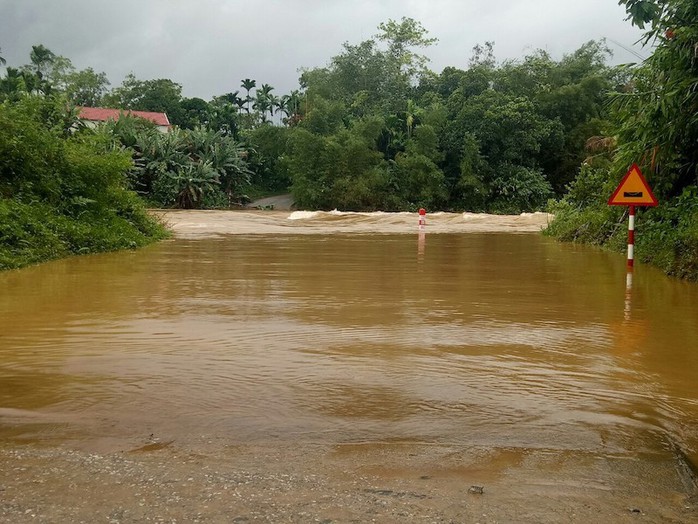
(374, 129)
(182, 168)
(377, 129)
(490, 138)
(62, 194)
(655, 123)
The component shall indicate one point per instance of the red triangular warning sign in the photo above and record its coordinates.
(633, 190)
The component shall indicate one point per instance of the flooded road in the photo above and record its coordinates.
(478, 348)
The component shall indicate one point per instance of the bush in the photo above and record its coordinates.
(62, 194)
(668, 235)
(590, 225)
(517, 188)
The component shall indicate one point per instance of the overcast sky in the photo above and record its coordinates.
(208, 46)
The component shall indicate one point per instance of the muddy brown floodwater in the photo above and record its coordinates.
(268, 366)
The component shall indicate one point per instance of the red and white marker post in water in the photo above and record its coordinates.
(632, 191)
(422, 218)
(421, 237)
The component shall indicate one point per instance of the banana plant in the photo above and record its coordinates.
(192, 183)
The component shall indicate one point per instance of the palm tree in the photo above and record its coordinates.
(266, 90)
(13, 83)
(282, 105)
(293, 107)
(230, 98)
(261, 104)
(42, 60)
(235, 100)
(2, 60)
(412, 115)
(274, 102)
(296, 99)
(41, 57)
(248, 85)
(240, 102)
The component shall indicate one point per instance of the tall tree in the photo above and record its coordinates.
(37, 72)
(401, 37)
(282, 105)
(273, 105)
(41, 58)
(248, 84)
(161, 95)
(261, 104)
(657, 113)
(86, 87)
(12, 85)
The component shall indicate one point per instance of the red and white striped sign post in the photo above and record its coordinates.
(632, 191)
(631, 237)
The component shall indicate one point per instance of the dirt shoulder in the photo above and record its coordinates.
(350, 483)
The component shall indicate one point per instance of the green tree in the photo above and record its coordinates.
(377, 74)
(421, 183)
(326, 117)
(161, 95)
(471, 190)
(657, 114)
(224, 114)
(359, 69)
(188, 186)
(41, 59)
(268, 146)
(261, 104)
(274, 108)
(12, 85)
(248, 84)
(483, 56)
(282, 106)
(573, 91)
(412, 114)
(230, 99)
(86, 87)
(36, 74)
(509, 134)
(196, 112)
(225, 155)
(264, 101)
(342, 171)
(401, 38)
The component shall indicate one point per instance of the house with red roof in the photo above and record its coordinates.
(92, 116)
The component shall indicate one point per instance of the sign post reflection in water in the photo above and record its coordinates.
(628, 294)
(421, 237)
